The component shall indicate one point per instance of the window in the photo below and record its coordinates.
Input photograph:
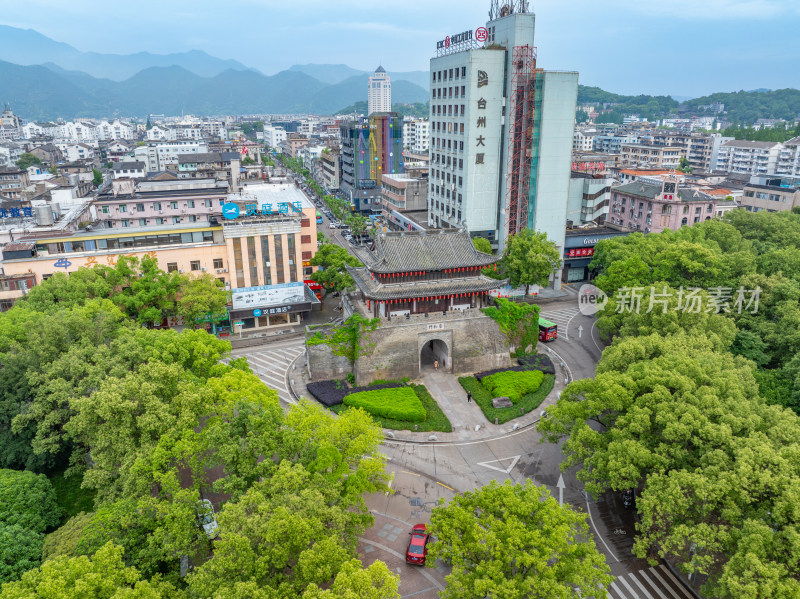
(190, 204)
(139, 207)
(126, 223)
(172, 266)
(192, 218)
(305, 239)
(685, 210)
(305, 222)
(105, 209)
(142, 222)
(159, 221)
(123, 208)
(306, 256)
(156, 205)
(176, 220)
(194, 264)
(173, 205)
(217, 262)
(207, 203)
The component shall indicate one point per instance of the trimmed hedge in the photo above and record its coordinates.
(529, 402)
(399, 404)
(332, 393)
(513, 384)
(534, 362)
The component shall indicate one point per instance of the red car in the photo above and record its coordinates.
(417, 545)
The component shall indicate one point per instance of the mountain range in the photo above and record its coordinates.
(44, 79)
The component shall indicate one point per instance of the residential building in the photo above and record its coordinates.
(700, 150)
(771, 194)
(293, 143)
(402, 193)
(789, 159)
(589, 199)
(645, 156)
(501, 133)
(416, 164)
(13, 287)
(379, 92)
(652, 208)
(162, 156)
(48, 153)
(330, 167)
(10, 152)
(119, 150)
(416, 136)
(129, 170)
(371, 146)
(75, 152)
(612, 143)
(274, 137)
(13, 182)
(749, 157)
(583, 140)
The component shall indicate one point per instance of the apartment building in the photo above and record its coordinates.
(330, 166)
(646, 156)
(274, 137)
(13, 182)
(701, 151)
(589, 198)
(771, 194)
(749, 157)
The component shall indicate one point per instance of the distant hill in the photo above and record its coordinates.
(417, 110)
(747, 107)
(337, 73)
(46, 93)
(29, 47)
(650, 107)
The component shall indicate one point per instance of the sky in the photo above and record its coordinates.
(678, 47)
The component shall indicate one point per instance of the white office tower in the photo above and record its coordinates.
(379, 92)
(501, 131)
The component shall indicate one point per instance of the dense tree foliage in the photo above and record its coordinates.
(529, 259)
(688, 403)
(152, 420)
(482, 245)
(331, 259)
(26, 160)
(515, 541)
(746, 107)
(519, 322)
(650, 107)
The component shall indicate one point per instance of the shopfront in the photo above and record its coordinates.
(271, 306)
(579, 249)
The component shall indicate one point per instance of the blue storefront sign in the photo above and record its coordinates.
(230, 211)
(256, 313)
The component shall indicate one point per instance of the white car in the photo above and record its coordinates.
(207, 518)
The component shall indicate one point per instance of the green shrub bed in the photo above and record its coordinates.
(398, 404)
(435, 419)
(483, 397)
(513, 385)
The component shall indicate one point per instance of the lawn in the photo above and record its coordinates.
(524, 405)
(70, 497)
(435, 419)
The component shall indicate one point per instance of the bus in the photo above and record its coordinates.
(547, 330)
(319, 217)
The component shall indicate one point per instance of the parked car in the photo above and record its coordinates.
(418, 545)
(331, 226)
(207, 518)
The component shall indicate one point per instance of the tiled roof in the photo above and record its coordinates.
(375, 290)
(423, 250)
(639, 189)
(795, 141)
(743, 143)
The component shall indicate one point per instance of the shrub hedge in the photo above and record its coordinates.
(332, 393)
(399, 404)
(513, 384)
(529, 402)
(533, 362)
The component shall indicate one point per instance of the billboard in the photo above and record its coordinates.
(268, 295)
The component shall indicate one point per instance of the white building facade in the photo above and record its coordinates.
(379, 92)
(509, 123)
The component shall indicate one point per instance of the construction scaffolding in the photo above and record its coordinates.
(520, 117)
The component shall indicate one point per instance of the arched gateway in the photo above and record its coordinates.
(435, 350)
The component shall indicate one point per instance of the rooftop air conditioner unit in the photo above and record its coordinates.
(180, 272)
(224, 270)
(161, 212)
(203, 268)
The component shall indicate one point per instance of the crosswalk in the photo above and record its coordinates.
(271, 366)
(654, 583)
(561, 316)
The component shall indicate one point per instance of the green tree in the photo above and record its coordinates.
(144, 291)
(27, 159)
(202, 297)
(530, 258)
(518, 321)
(97, 180)
(358, 224)
(20, 551)
(515, 541)
(64, 540)
(581, 116)
(349, 339)
(101, 576)
(355, 582)
(482, 245)
(331, 259)
(27, 500)
(248, 160)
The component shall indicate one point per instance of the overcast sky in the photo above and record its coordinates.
(678, 47)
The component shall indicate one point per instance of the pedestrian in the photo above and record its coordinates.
(436, 364)
(469, 397)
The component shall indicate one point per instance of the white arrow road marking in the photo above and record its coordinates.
(514, 460)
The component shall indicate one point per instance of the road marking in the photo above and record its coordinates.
(629, 587)
(616, 589)
(669, 575)
(445, 486)
(641, 586)
(514, 460)
(418, 592)
(422, 571)
(599, 536)
(411, 473)
(653, 584)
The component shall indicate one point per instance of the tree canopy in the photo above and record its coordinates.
(529, 259)
(331, 259)
(515, 541)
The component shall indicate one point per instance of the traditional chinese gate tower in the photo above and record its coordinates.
(422, 272)
(427, 288)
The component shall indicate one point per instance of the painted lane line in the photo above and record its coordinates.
(446, 486)
(629, 587)
(411, 473)
(514, 460)
(599, 536)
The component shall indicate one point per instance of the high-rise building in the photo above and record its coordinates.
(379, 92)
(501, 131)
(371, 147)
